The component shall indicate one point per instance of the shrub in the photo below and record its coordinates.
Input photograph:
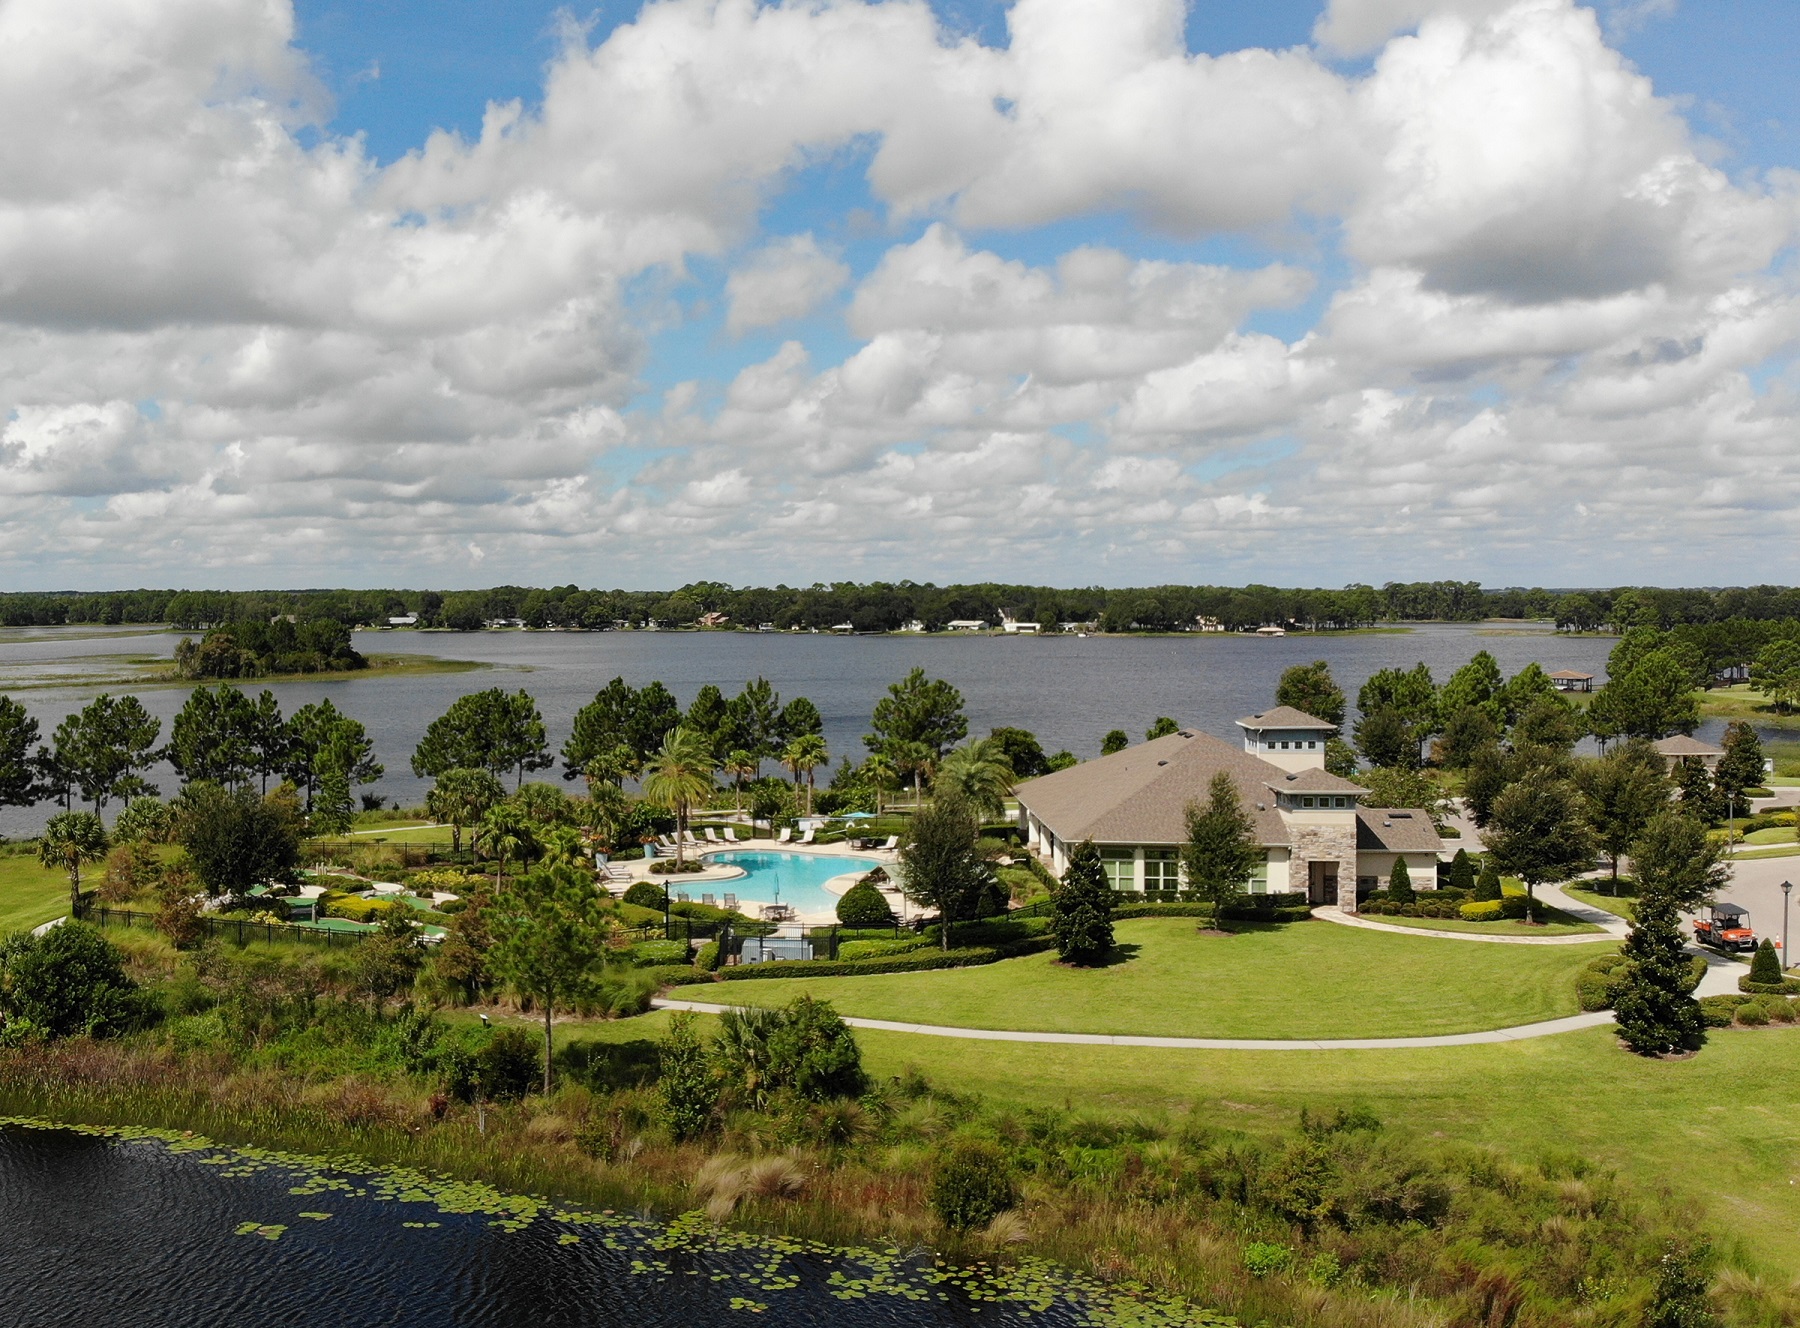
(813, 1052)
(864, 906)
(1786, 987)
(973, 1186)
(1778, 1009)
(709, 958)
(505, 1066)
(1487, 883)
(1752, 1014)
(1514, 906)
(1719, 1011)
(1481, 910)
(334, 904)
(645, 894)
(1601, 980)
(686, 1087)
(1461, 875)
(69, 981)
(1764, 967)
(1262, 1258)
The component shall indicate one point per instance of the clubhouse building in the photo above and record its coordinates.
(1316, 837)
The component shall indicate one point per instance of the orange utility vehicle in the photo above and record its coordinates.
(1726, 927)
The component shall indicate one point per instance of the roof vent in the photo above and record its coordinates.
(1292, 778)
(1184, 733)
(1261, 808)
(1401, 816)
(1162, 762)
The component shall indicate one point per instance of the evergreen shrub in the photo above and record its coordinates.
(1400, 890)
(1481, 910)
(864, 906)
(1487, 883)
(1765, 966)
(973, 1187)
(645, 894)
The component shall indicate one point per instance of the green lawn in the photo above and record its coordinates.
(1306, 980)
(1557, 923)
(1618, 905)
(30, 894)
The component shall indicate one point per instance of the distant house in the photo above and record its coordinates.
(1015, 626)
(1204, 624)
(1315, 836)
(714, 619)
(1271, 631)
(1568, 680)
(966, 625)
(404, 620)
(505, 622)
(912, 625)
(1683, 748)
(765, 627)
(844, 628)
(1078, 627)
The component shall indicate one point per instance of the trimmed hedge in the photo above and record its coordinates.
(332, 904)
(1481, 910)
(654, 954)
(1786, 987)
(880, 949)
(908, 963)
(707, 960)
(1600, 981)
(1249, 913)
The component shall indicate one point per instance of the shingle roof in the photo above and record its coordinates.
(1404, 830)
(1314, 781)
(1140, 795)
(1682, 745)
(1570, 675)
(1283, 717)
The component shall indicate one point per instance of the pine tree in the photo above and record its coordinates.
(1400, 889)
(1462, 872)
(1487, 885)
(1656, 1013)
(1083, 903)
(1742, 765)
(1221, 854)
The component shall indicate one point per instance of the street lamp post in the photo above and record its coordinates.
(1787, 888)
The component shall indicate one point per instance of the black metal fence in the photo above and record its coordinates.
(240, 930)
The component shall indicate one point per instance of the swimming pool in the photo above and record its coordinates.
(789, 878)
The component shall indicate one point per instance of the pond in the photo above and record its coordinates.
(132, 1229)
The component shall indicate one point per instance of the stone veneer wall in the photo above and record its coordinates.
(1324, 843)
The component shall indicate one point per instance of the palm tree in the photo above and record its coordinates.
(804, 755)
(70, 839)
(740, 765)
(564, 844)
(981, 772)
(882, 776)
(916, 760)
(677, 776)
(508, 835)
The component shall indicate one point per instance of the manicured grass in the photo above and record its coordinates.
(1618, 905)
(1791, 850)
(1557, 923)
(1744, 702)
(1306, 980)
(1775, 834)
(30, 894)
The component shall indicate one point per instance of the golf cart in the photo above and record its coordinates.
(1727, 927)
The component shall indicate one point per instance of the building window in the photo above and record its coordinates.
(1120, 865)
(1162, 869)
(1306, 802)
(1258, 884)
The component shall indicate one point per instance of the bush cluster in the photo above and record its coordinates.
(337, 904)
(1442, 903)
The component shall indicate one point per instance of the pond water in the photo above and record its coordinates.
(1067, 690)
(143, 1232)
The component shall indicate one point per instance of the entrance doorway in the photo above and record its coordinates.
(1321, 883)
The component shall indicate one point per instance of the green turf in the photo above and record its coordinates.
(1306, 980)
(1557, 923)
(30, 894)
(1618, 905)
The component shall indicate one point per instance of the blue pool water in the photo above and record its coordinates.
(790, 878)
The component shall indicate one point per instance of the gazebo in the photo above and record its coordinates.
(1681, 748)
(1568, 680)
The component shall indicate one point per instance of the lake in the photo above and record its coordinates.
(1068, 690)
(142, 1232)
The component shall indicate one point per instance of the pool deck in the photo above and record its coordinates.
(719, 875)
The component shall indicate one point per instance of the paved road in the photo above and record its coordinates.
(1520, 1033)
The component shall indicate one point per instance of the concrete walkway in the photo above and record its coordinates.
(1522, 1032)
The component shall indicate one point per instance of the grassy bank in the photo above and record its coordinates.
(29, 894)
(1556, 923)
(1743, 701)
(1306, 980)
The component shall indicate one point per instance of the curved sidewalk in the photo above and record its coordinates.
(1520, 1033)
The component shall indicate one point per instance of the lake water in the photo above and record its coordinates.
(1067, 690)
(107, 1232)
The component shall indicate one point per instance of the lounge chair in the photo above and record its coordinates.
(692, 838)
(730, 835)
(712, 836)
(807, 838)
(785, 835)
(709, 901)
(681, 897)
(893, 842)
(730, 901)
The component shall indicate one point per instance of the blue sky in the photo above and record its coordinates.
(798, 293)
